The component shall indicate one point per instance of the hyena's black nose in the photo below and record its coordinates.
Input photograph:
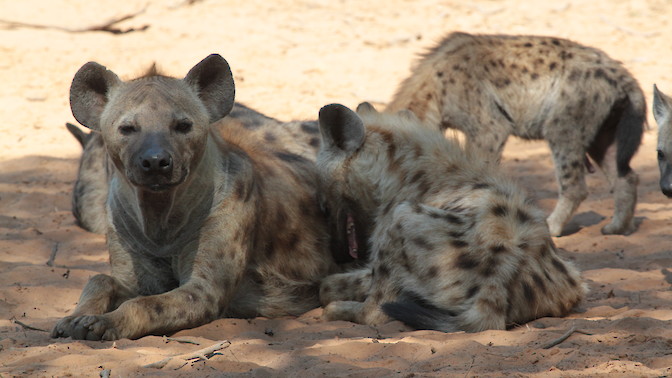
(156, 161)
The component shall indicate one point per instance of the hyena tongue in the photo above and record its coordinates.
(589, 165)
(352, 236)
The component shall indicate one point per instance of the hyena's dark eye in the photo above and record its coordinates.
(127, 129)
(661, 155)
(183, 126)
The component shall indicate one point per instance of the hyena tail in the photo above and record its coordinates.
(630, 129)
(624, 126)
(416, 312)
(81, 136)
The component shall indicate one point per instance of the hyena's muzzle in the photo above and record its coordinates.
(665, 177)
(155, 164)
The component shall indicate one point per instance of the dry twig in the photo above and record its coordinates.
(167, 339)
(107, 26)
(564, 337)
(26, 326)
(52, 257)
(201, 354)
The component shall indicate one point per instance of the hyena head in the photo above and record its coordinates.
(155, 128)
(662, 112)
(351, 164)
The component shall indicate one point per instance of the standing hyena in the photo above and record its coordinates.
(452, 244)
(201, 223)
(576, 97)
(662, 112)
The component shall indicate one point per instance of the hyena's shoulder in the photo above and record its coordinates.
(296, 137)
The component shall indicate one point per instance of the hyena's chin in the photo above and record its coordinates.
(158, 184)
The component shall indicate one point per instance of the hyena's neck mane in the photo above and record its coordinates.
(410, 163)
(163, 219)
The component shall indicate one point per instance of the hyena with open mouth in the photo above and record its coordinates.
(450, 243)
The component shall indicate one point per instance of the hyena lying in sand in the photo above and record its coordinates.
(662, 112)
(575, 97)
(452, 244)
(202, 223)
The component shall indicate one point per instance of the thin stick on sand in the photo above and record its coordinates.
(201, 354)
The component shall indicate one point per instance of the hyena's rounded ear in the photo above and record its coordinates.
(341, 128)
(213, 81)
(366, 107)
(662, 106)
(89, 93)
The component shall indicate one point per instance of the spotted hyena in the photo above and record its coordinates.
(662, 112)
(452, 244)
(202, 221)
(575, 97)
(90, 190)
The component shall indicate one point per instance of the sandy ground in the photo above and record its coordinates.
(289, 58)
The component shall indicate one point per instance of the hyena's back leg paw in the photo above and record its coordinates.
(625, 200)
(350, 286)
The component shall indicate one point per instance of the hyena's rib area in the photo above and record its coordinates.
(451, 234)
(576, 97)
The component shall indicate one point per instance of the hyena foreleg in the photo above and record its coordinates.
(101, 294)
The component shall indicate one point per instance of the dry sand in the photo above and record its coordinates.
(289, 58)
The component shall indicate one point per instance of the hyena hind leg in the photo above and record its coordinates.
(625, 201)
(350, 286)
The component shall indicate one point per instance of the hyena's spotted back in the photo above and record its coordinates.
(576, 97)
(454, 245)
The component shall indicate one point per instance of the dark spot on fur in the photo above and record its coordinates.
(456, 67)
(488, 267)
(309, 127)
(559, 266)
(529, 293)
(465, 261)
(552, 66)
(432, 272)
(528, 44)
(422, 243)
(555, 42)
(534, 76)
(383, 271)
(502, 82)
(157, 307)
(459, 243)
(497, 249)
(473, 291)
(500, 210)
(439, 74)
(314, 142)
(481, 185)
(523, 216)
(269, 137)
(539, 282)
(456, 234)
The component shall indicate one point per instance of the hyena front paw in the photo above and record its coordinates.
(86, 327)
